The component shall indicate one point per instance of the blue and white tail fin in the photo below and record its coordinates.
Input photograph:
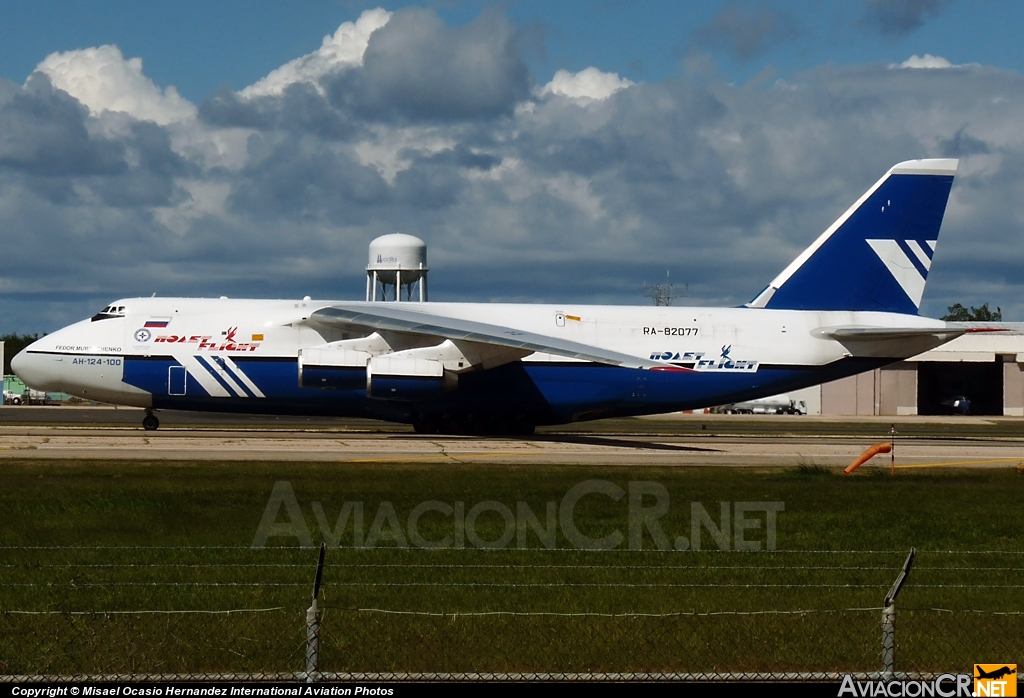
(877, 255)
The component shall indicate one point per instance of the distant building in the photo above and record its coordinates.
(987, 369)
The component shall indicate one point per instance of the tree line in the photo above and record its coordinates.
(13, 343)
(958, 313)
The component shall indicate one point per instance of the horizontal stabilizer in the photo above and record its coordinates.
(885, 342)
(872, 334)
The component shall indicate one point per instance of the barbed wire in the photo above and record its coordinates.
(968, 610)
(561, 614)
(267, 644)
(361, 635)
(593, 614)
(298, 549)
(504, 566)
(205, 565)
(147, 612)
(156, 584)
(511, 585)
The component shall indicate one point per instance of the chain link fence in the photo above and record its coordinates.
(271, 644)
(463, 617)
(253, 644)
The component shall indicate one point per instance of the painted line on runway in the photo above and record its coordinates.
(443, 456)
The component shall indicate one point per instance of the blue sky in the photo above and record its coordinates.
(545, 151)
(199, 46)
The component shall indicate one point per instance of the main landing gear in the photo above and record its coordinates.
(150, 422)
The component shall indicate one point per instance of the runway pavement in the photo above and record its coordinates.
(113, 435)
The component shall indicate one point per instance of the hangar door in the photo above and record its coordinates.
(979, 382)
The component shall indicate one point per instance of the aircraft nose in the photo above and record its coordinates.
(20, 363)
(36, 370)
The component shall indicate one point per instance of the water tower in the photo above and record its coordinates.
(397, 261)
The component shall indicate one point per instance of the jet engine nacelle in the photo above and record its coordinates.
(387, 377)
(333, 369)
(393, 377)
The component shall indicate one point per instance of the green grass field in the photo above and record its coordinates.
(102, 539)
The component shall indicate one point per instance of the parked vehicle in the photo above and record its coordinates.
(29, 397)
(777, 404)
(36, 397)
(957, 405)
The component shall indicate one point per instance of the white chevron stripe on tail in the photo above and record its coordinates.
(901, 268)
(921, 255)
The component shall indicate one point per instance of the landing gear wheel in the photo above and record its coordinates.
(150, 422)
(427, 425)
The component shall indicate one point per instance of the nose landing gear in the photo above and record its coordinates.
(150, 422)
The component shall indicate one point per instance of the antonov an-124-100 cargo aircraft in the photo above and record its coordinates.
(847, 304)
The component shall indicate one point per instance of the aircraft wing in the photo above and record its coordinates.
(385, 317)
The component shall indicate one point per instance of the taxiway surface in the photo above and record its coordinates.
(61, 433)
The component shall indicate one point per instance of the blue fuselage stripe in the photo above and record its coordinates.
(549, 393)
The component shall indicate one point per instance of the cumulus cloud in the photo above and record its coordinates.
(103, 80)
(44, 133)
(417, 67)
(589, 83)
(343, 49)
(747, 31)
(895, 18)
(523, 192)
(403, 67)
(926, 61)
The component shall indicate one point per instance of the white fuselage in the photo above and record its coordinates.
(225, 346)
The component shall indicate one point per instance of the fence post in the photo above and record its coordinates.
(313, 624)
(889, 619)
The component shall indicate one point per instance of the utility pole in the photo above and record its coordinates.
(664, 294)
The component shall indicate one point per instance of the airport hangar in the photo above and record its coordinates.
(986, 368)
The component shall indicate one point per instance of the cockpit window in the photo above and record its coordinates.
(111, 311)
